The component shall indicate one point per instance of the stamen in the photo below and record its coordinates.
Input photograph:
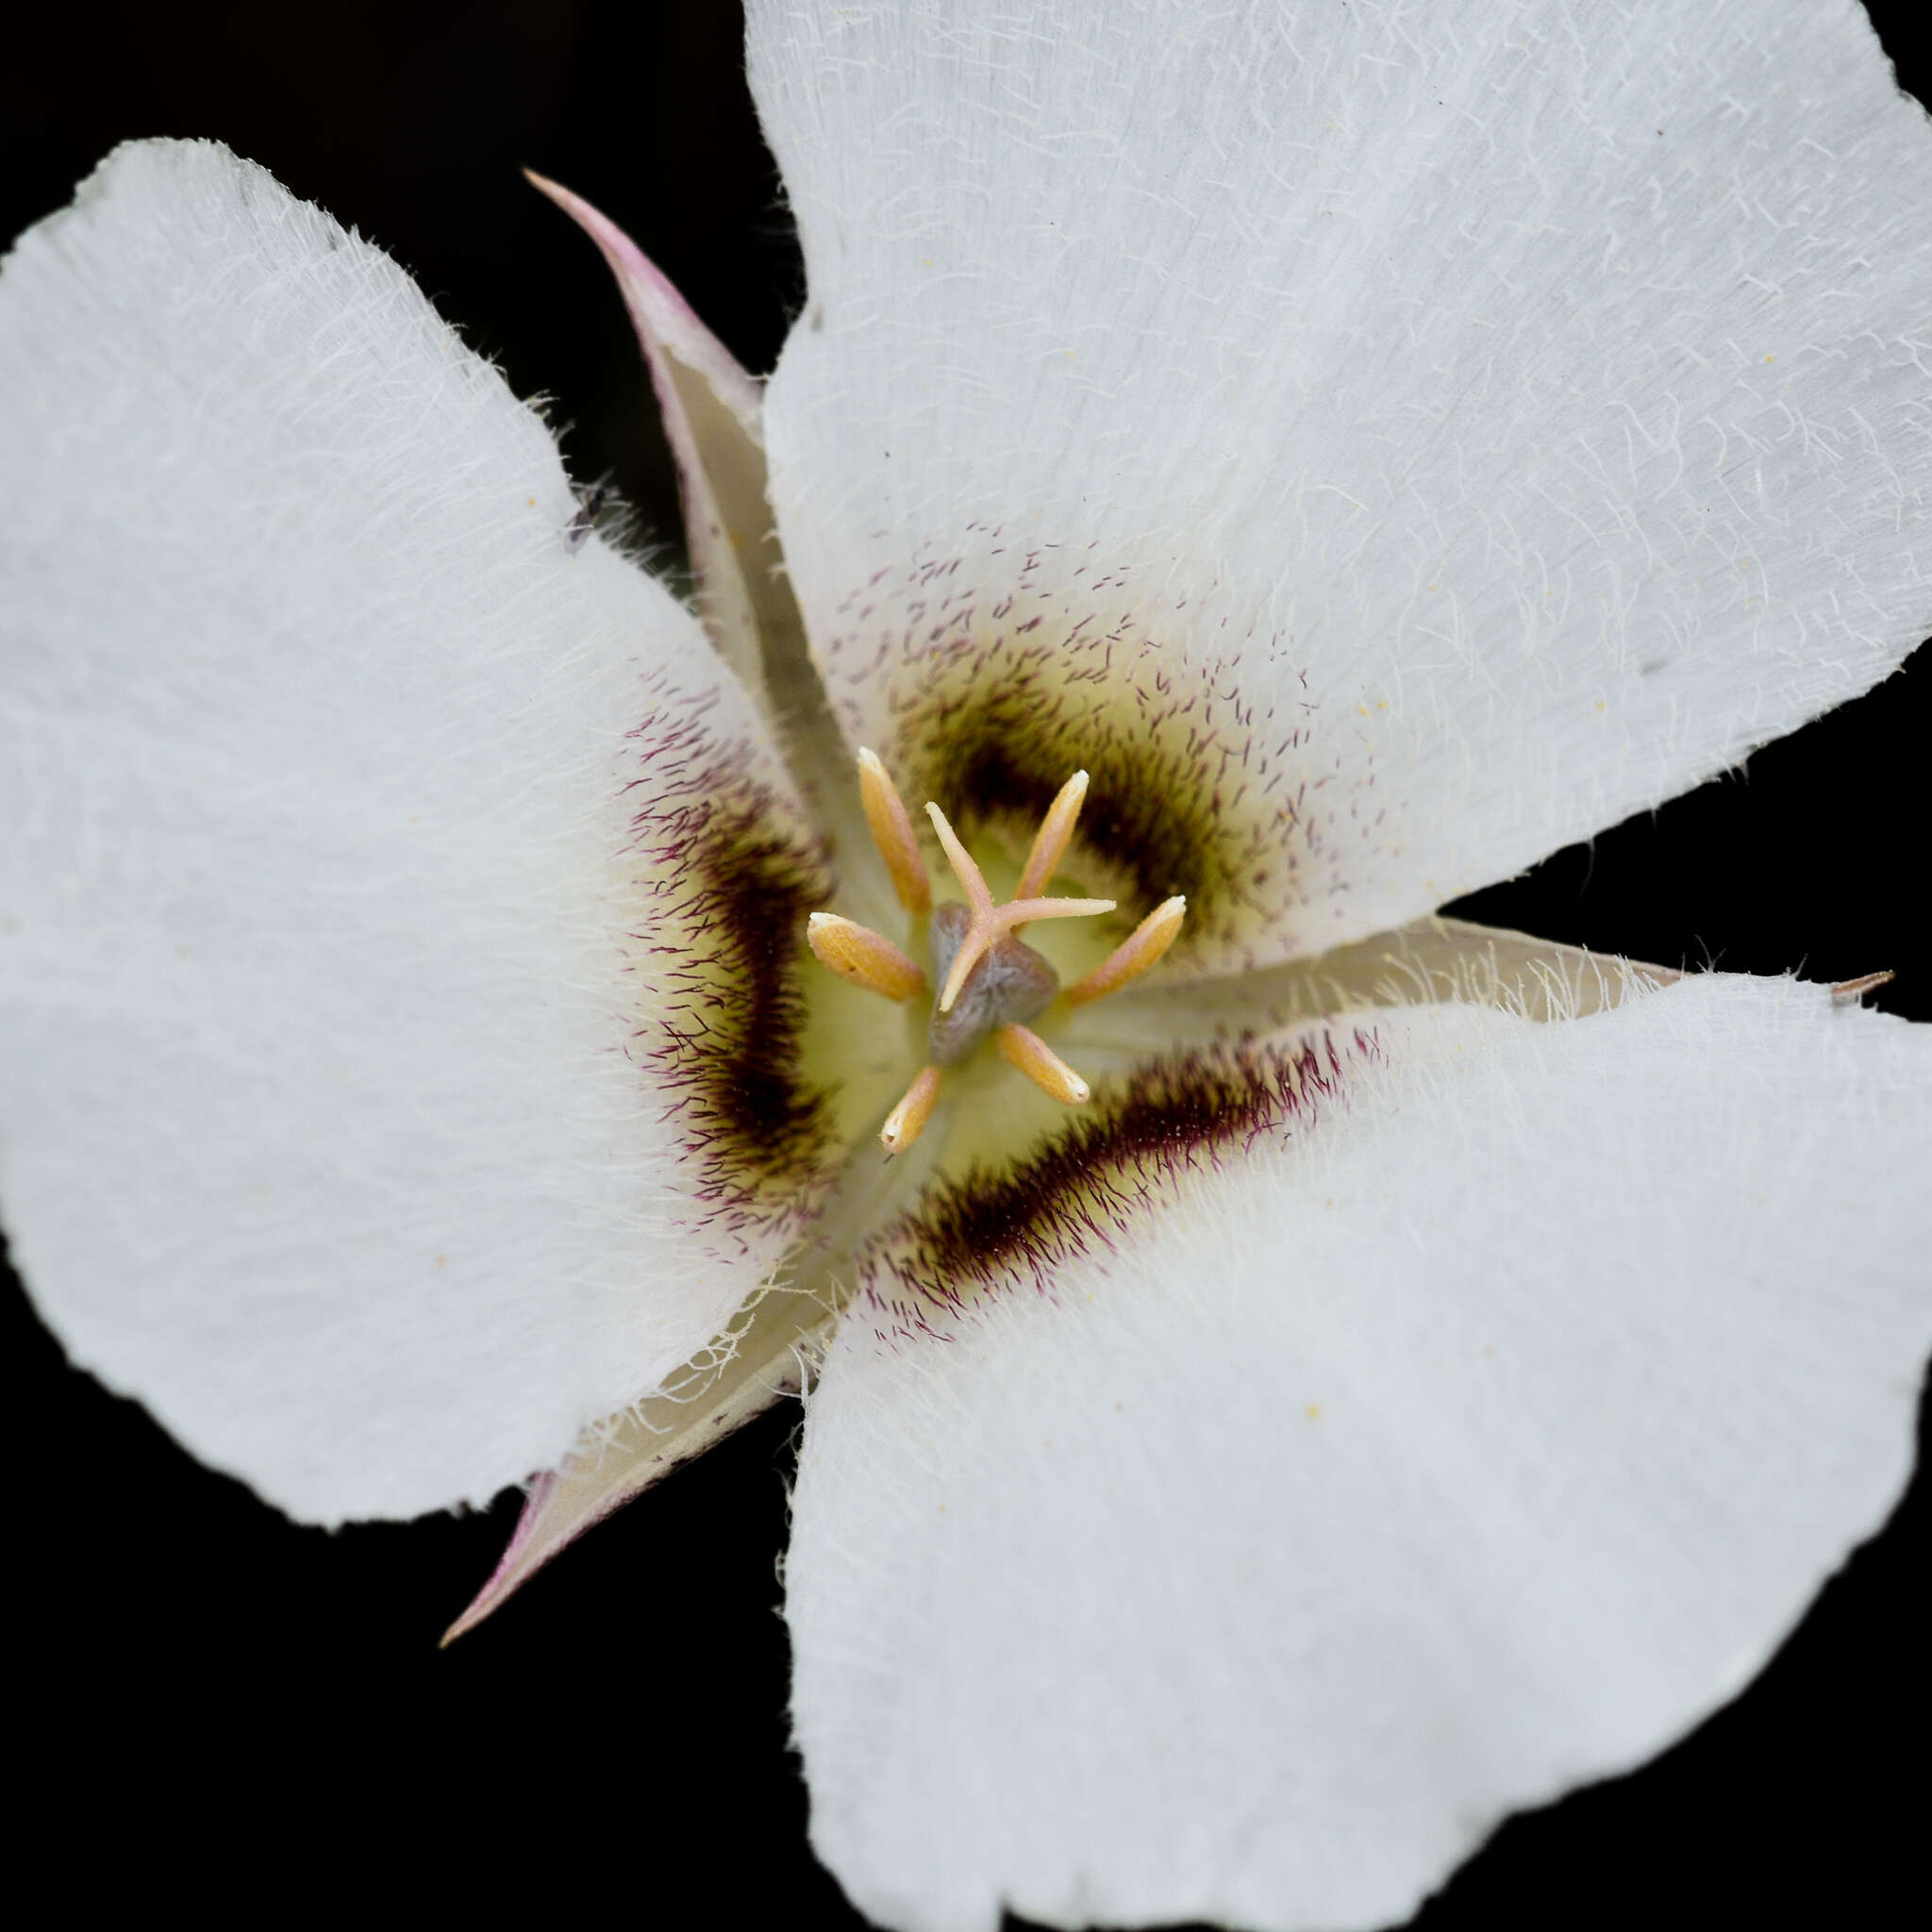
(1142, 948)
(990, 922)
(865, 958)
(1050, 842)
(906, 1120)
(1019, 1047)
(975, 945)
(892, 832)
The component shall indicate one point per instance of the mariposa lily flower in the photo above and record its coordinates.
(1311, 1377)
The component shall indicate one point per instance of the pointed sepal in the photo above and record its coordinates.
(742, 1376)
(713, 419)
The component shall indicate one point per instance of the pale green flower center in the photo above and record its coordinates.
(990, 982)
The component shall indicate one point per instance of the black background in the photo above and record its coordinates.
(217, 1715)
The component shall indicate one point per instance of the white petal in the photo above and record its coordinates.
(1438, 431)
(375, 868)
(1275, 1525)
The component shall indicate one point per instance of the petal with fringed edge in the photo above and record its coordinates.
(398, 900)
(1379, 445)
(1242, 1533)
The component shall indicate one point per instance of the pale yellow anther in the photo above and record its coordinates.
(906, 1120)
(892, 832)
(865, 958)
(1142, 948)
(1050, 842)
(990, 922)
(1019, 1047)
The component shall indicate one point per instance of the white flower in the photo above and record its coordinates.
(1378, 449)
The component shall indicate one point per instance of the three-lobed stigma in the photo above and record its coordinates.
(990, 982)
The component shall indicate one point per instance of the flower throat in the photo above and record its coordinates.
(990, 982)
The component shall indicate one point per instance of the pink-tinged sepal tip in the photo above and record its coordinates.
(713, 415)
(520, 1559)
(667, 325)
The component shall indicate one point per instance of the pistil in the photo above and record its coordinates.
(988, 923)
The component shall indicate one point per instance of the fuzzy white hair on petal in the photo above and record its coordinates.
(349, 1112)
